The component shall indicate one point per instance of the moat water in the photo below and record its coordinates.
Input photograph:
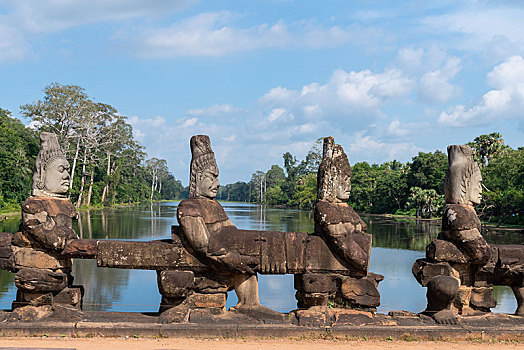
(397, 243)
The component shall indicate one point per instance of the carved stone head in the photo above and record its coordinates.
(334, 173)
(203, 177)
(51, 175)
(463, 184)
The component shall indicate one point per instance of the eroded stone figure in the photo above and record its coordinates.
(344, 233)
(43, 276)
(459, 263)
(340, 225)
(203, 219)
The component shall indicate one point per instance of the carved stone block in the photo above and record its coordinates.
(40, 280)
(482, 298)
(295, 243)
(315, 283)
(441, 250)
(175, 284)
(81, 248)
(307, 300)
(211, 283)
(424, 270)
(5, 239)
(362, 291)
(217, 300)
(459, 217)
(320, 259)
(152, 255)
(31, 258)
(21, 240)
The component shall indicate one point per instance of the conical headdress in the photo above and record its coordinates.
(202, 158)
(49, 151)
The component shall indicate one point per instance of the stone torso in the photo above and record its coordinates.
(339, 214)
(209, 210)
(48, 221)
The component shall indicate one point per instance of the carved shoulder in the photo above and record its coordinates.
(52, 206)
(210, 210)
(327, 213)
(460, 217)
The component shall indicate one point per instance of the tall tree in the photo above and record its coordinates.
(486, 147)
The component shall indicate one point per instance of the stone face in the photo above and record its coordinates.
(40, 280)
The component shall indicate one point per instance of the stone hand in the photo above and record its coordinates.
(237, 262)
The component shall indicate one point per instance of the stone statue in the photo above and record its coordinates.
(458, 264)
(463, 190)
(343, 231)
(202, 219)
(339, 224)
(44, 276)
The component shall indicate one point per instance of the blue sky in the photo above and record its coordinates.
(386, 79)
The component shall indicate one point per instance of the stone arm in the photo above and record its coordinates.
(50, 232)
(199, 238)
(351, 247)
(460, 225)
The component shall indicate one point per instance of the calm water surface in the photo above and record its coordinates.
(396, 245)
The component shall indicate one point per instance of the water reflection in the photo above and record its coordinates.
(396, 245)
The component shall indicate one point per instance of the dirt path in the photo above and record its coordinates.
(229, 344)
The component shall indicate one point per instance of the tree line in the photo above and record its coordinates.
(414, 188)
(108, 166)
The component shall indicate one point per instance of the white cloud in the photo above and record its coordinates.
(506, 101)
(215, 34)
(344, 94)
(369, 148)
(435, 87)
(214, 110)
(398, 129)
(189, 122)
(479, 24)
(22, 22)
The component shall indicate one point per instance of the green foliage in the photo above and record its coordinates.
(108, 164)
(427, 171)
(18, 150)
(504, 179)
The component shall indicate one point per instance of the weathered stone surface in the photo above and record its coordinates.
(152, 255)
(316, 283)
(320, 259)
(424, 270)
(482, 298)
(81, 248)
(48, 221)
(210, 210)
(295, 244)
(511, 257)
(312, 318)
(31, 258)
(217, 300)
(175, 284)
(440, 250)
(70, 296)
(21, 240)
(307, 300)
(5, 239)
(362, 291)
(212, 283)
(40, 280)
(327, 213)
(345, 317)
(441, 292)
(176, 314)
(8, 264)
(459, 217)
(30, 313)
(273, 252)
